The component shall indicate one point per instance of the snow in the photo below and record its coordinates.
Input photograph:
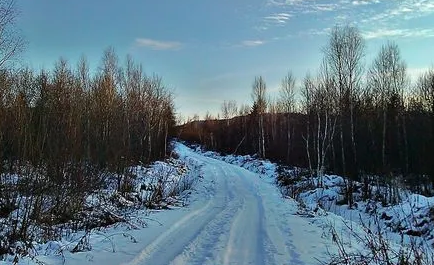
(233, 214)
(235, 218)
(262, 167)
(409, 223)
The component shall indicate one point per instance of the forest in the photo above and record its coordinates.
(67, 133)
(360, 120)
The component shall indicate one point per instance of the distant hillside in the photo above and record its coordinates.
(282, 131)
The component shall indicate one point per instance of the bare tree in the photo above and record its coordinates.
(425, 93)
(287, 103)
(307, 106)
(426, 90)
(387, 79)
(344, 54)
(259, 108)
(11, 42)
(244, 110)
(287, 93)
(325, 99)
(233, 108)
(229, 109)
(195, 117)
(319, 103)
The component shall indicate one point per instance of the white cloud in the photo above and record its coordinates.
(376, 18)
(289, 9)
(401, 33)
(326, 7)
(279, 18)
(357, 3)
(157, 44)
(261, 28)
(415, 73)
(252, 43)
(403, 10)
(315, 32)
(309, 6)
(365, 2)
(284, 2)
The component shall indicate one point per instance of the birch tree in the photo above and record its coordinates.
(325, 100)
(344, 55)
(287, 103)
(260, 105)
(387, 79)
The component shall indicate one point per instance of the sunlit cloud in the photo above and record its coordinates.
(252, 43)
(157, 44)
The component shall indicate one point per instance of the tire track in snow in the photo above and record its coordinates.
(281, 249)
(246, 240)
(243, 220)
(165, 245)
(212, 239)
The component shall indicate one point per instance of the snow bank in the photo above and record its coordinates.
(264, 168)
(409, 220)
(111, 219)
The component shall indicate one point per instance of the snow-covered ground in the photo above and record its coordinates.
(234, 214)
(409, 222)
(110, 218)
(236, 217)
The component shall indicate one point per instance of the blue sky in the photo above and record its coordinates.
(209, 51)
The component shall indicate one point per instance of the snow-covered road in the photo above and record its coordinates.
(232, 216)
(235, 217)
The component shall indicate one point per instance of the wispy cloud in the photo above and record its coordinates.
(278, 18)
(376, 18)
(413, 9)
(398, 33)
(404, 10)
(252, 43)
(284, 2)
(294, 9)
(158, 44)
(308, 6)
(315, 32)
(365, 2)
(315, 8)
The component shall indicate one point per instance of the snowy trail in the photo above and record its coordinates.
(239, 219)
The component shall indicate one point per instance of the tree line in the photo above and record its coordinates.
(113, 118)
(350, 118)
(70, 132)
